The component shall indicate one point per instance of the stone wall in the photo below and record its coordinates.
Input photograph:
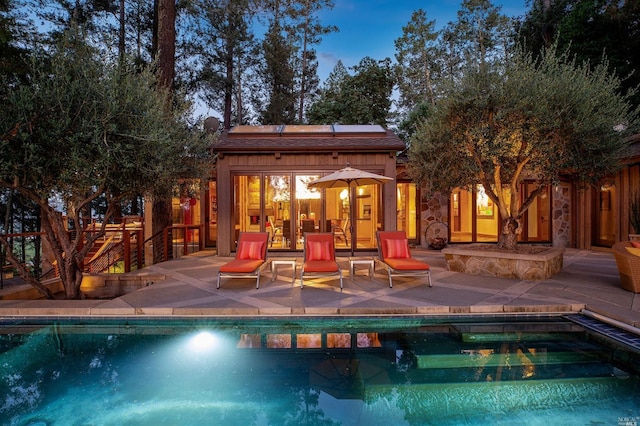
(434, 209)
(561, 215)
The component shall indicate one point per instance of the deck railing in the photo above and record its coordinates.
(120, 249)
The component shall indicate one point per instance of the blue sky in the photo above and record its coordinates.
(370, 27)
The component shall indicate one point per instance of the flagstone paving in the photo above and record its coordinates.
(588, 281)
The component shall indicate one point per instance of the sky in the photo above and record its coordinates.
(370, 27)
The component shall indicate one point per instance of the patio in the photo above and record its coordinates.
(589, 280)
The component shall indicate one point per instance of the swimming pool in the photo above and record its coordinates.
(322, 371)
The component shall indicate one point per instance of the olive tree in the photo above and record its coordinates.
(536, 119)
(88, 126)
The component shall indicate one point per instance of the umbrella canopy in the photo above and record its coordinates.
(347, 178)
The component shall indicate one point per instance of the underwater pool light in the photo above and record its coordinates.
(203, 341)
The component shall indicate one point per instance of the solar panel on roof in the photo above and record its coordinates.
(358, 128)
(274, 129)
(315, 128)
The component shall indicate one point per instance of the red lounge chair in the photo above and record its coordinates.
(395, 256)
(251, 258)
(319, 257)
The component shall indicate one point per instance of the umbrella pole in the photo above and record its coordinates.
(352, 219)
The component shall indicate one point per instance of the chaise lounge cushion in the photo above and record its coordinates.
(321, 266)
(241, 266)
(407, 264)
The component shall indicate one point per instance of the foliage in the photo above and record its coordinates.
(87, 126)
(362, 98)
(11, 63)
(536, 120)
(429, 60)
(409, 125)
(307, 31)
(277, 75)
(595, 31)
(417, 54)
(482, 33)
(328, 107)
(221, 44)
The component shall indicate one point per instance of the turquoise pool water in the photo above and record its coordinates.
(358, 371)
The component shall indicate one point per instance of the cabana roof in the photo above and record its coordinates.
(299, 138)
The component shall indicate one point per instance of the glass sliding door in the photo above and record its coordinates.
(406, 202)
(247, 205)
(212, 235)
(536, 220)
(606, 214)
(487, 218)
(337, 215)
(308, 208)
(472, 216)
(461, 216)
(277, 203)
(368, 220)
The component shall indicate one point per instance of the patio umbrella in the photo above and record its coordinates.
(346, 178)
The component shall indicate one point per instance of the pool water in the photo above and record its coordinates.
(325, 371)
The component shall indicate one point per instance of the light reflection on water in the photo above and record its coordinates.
(325, 371)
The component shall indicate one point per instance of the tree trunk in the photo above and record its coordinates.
(228, 87)
(161, 220)
(67, 256)
(72, 277)
(166, 42)
(161, 213)
(121, 32)
(509, 235)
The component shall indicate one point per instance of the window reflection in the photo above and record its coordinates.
(308, 341)
(279, 341)
(338, 340)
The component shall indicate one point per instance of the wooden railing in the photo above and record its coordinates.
(120, 244)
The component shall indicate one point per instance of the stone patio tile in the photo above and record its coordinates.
(275, 311)
(460, 309)
(486, 309)
(321, 311)
(382, 310)
(217, 311)
(538, 308)
(431, 310)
